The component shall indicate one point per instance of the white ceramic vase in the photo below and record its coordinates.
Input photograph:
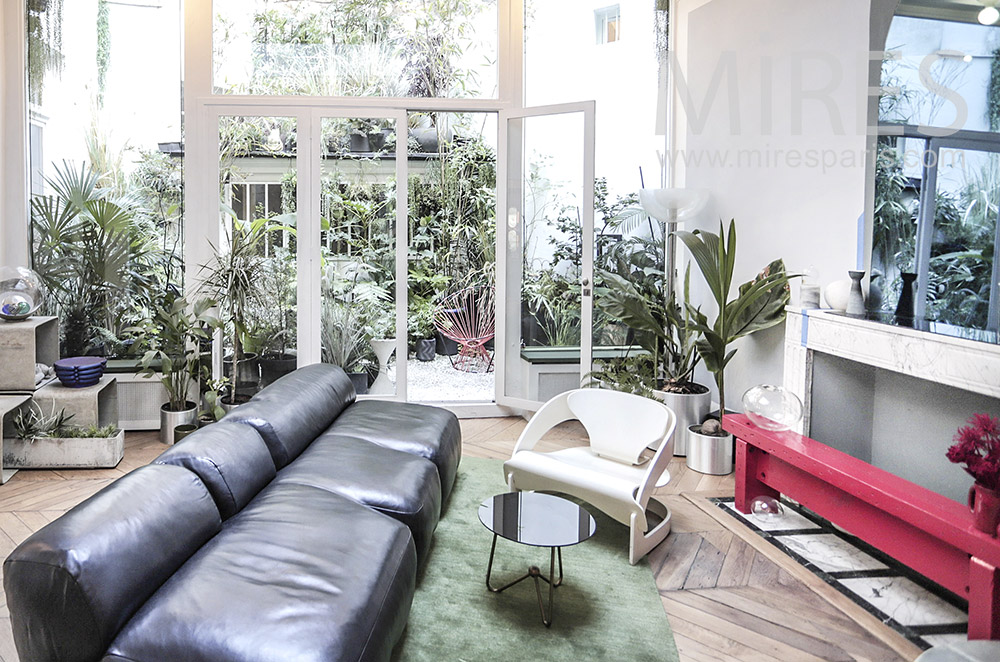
(383, 350)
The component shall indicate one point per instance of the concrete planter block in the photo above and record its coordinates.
(9, 406)
(22, 345)
(91, 405)
(65, 453)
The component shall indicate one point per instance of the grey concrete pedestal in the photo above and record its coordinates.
(90, 405)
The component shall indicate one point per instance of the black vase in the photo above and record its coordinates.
(426, 349)
(360, 381)
(904, 309)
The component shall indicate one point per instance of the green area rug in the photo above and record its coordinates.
(606, 609)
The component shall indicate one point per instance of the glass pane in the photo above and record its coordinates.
(544, 255)
(358, 245)
(452, 259)
(383, 48)
(965, 230)
(898, 177)
(105, 125)
(253, 275)
(957, 56)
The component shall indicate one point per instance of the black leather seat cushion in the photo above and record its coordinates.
(74, 583)
(429, 432)
(230, 458)
(299, 574)
(403, 486)
(295, 409)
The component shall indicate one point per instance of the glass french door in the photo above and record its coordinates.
(545, 252)
(314, 198)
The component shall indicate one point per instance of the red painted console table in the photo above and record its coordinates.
(922, 529)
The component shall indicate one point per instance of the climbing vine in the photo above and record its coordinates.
(44, 27)
(103, 48)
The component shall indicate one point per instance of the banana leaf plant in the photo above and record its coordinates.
(662, 326)
(759, 304)
(174, 331)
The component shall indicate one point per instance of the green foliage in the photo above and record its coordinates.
(233, 279)
(103, 48)
(174, 331)
(101, 268)
(44, 26)
(30, 423)
(88, 432)
(630, 374)
(894, 228)
(343, 334)
(760, 303)
(420, 319)
(993, 92)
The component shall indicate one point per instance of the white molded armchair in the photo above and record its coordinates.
(611, 473)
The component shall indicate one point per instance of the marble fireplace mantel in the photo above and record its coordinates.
(964, 364)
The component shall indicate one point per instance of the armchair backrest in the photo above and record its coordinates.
(620, 425)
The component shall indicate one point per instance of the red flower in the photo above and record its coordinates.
(977, 446)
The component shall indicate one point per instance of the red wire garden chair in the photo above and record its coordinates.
(469, 318)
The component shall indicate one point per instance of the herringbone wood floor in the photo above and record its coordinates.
(726, 601)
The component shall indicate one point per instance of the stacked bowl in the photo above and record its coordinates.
(80, 371)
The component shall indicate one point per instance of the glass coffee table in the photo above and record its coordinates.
(537, 520)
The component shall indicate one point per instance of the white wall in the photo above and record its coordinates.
(804, 201)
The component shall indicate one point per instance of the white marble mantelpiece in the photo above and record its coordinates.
(964, 364)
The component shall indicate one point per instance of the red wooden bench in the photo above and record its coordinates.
(929, 533)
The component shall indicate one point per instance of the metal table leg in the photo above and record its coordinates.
(536, 574)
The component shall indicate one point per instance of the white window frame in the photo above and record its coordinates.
(602, 19)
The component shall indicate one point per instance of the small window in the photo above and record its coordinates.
(608, 24)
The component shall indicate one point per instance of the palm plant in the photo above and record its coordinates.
(760, 303)
(233, 279)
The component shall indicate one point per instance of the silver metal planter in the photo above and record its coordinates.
(709, 455)
(691, 409)
(171, 419)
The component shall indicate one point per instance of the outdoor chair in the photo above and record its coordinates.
(469, 318)
(617, 472)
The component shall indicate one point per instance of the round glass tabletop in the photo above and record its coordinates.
(541, 520)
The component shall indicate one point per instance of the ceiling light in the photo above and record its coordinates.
(989, 15)
(967, 58)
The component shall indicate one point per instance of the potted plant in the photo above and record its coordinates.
(173, 333)
(273, 322)
(666, 330)
(233, 278)
(343, 338)
(421, 325)
(381, 332)
(759, 304)
(49, 442)
(977, 446)
(212, 409)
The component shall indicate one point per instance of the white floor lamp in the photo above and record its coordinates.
(671, 206)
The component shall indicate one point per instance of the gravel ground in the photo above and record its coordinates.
(438, 381)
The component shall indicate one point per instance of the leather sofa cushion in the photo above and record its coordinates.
(429, 432)
(299, 574)
(295, 409)
(74, 583)
(403, 486)
(230, 458)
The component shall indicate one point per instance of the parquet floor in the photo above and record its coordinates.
(726, 601)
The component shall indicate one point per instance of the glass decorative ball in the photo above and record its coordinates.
(772, 407)
(21, 293)
(766, 510)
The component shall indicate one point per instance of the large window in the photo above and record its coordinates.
(104, 94)
(937, 186)
(356, 48)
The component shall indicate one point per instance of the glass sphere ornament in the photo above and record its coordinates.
(772, 407)
(767, 510)
(21, 293)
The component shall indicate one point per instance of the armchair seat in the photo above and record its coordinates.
(611, 473)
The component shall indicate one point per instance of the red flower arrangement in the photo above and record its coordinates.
(977, 446)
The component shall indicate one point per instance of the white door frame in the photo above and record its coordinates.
(308, 168)
(509, 231)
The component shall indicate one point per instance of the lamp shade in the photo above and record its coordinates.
(673, 205)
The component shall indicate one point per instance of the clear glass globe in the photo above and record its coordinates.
(21, 293)
(767, 510)
(772, 407)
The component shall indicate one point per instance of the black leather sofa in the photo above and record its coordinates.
(291, 530)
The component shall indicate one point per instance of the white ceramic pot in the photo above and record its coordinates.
(383, 350)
